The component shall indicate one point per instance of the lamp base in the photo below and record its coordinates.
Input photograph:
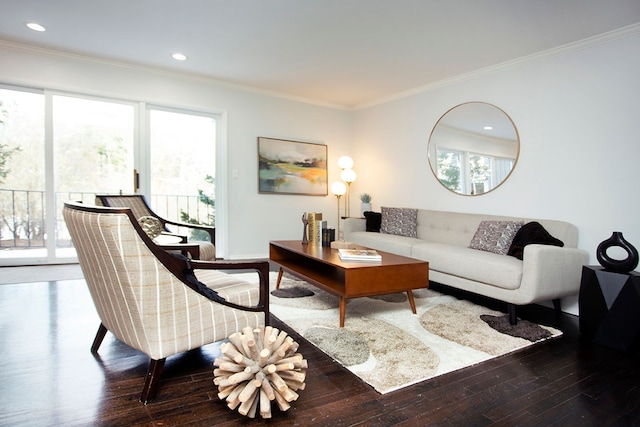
(342, 244)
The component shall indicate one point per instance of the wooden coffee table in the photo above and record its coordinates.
(323, 268)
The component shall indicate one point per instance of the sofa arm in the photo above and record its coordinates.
(353, 224)
(550, 272)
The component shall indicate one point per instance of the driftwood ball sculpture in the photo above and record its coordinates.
(259, 366)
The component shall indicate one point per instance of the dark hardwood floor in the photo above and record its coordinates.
(48, 377)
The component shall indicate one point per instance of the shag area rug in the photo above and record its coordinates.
(388, 346)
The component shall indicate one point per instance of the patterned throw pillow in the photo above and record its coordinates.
(151, 225)
(399, 221)
(495, 236)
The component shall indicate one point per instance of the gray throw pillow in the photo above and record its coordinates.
(399, 221)
(495, 236)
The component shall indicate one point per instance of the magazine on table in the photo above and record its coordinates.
(359, 255)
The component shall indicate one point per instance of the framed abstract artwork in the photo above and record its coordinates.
(291, 167)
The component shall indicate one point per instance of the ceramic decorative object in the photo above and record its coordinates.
(617, 265)
(365, 204)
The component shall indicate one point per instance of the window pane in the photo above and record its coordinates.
(182, 154)
(502, 168)
(449, 169)
(22, 179)
(93, 152)
(480, 171)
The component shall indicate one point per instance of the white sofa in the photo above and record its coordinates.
(443, 238)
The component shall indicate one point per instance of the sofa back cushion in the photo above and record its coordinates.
(458, 228)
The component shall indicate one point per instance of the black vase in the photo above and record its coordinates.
(617, 265)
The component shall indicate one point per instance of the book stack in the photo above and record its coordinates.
(359, 255)
(318, 233)
(322, 226)
(328, 236)
(315, 224)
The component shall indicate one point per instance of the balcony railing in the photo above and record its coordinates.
(23, 225)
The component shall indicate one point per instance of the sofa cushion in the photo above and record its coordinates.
(374, 221)
(480, 266)
(531, 233)
(399, 221)
(495, 236)
(399, 245)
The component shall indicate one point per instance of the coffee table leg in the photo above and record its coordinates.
(279, 278)
(411, 301)
(343, 304)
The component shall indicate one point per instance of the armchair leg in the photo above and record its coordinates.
(102, 331)
(152, 380)
(513, 319)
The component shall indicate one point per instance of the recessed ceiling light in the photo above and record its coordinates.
(36, 27)
(179, 57)
(488, 128)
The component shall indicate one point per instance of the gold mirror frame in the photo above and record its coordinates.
(485, 158)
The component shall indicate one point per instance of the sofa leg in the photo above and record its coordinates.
(557, 306)
(513, 319)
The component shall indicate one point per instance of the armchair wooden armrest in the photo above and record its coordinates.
(261, 267)
(211, 231)
(184, 248)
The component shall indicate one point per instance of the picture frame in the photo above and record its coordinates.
(292, 167)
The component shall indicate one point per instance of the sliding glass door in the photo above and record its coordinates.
(182, 165)
(58, 147)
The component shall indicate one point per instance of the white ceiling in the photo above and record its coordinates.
(345, 53)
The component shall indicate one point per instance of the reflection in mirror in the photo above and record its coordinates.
(473, 148)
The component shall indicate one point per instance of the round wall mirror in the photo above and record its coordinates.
(473, 148)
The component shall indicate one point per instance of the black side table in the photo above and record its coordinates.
(610, 307)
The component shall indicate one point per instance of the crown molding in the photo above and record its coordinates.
(18, 47)
(519, 62)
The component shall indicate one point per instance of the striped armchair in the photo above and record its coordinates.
(147, 298)
(198, 249)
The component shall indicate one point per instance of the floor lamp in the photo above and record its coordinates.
(338, 188)
(348, 176)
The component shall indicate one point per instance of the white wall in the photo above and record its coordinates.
(577, 116)
(253, 219)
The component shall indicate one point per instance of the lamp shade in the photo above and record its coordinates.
(345, 162)
(338, 188)
(348, 175)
